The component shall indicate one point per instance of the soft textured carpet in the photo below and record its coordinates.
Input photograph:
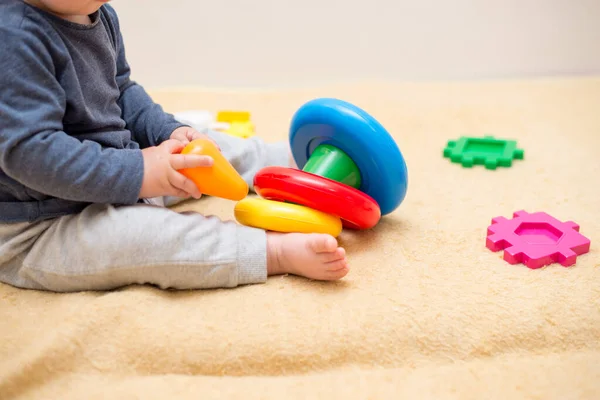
(426, 311)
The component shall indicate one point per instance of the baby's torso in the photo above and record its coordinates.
(87, 72)
(84, 62)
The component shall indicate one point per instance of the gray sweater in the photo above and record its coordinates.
(72, 122)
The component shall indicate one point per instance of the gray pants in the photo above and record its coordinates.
(106, 247)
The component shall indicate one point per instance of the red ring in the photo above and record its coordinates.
(356, 209)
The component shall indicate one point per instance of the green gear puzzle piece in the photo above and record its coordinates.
(485, 150)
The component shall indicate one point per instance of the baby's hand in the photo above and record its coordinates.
(186, 134)
(161, 176)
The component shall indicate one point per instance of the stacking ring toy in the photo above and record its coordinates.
(339, 141)
(356, 209)
(352, 174)
(285, 217)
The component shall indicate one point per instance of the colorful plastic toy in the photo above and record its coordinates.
(219, 180)
(536, 239)
(233, 116)
(285, 217)
(352, 170)
(360, 149)
(486, 150)
(235, 123)
(357, 209)
(243, 130)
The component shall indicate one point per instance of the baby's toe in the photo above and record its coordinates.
(338, 271)
(321, 243)
(336, 265)
(338, 254)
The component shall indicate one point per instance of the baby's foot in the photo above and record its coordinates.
(314, 256)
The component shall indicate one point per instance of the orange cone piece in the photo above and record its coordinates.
(220, 180)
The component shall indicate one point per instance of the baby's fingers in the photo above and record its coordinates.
(183, 184)
(172, 145)
(181, 161)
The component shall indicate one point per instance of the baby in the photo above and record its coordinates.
(87, 159)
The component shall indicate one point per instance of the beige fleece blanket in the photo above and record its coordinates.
(426, 312)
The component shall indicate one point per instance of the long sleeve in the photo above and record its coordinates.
(149, 124)
(35, 151)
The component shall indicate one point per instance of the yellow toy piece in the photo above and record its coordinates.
(277, 216)
(233, 116)
(235, 123)
(241, 129)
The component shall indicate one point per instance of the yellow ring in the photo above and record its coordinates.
(277, 216)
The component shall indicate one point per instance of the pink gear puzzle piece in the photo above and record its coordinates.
(536, 239)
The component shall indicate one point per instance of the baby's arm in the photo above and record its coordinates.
(34, 149)
(148, 122)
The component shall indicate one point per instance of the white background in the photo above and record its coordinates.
(285, 43)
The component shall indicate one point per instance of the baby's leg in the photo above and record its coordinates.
(106, 247)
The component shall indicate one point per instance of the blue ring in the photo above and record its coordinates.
(362, 138)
